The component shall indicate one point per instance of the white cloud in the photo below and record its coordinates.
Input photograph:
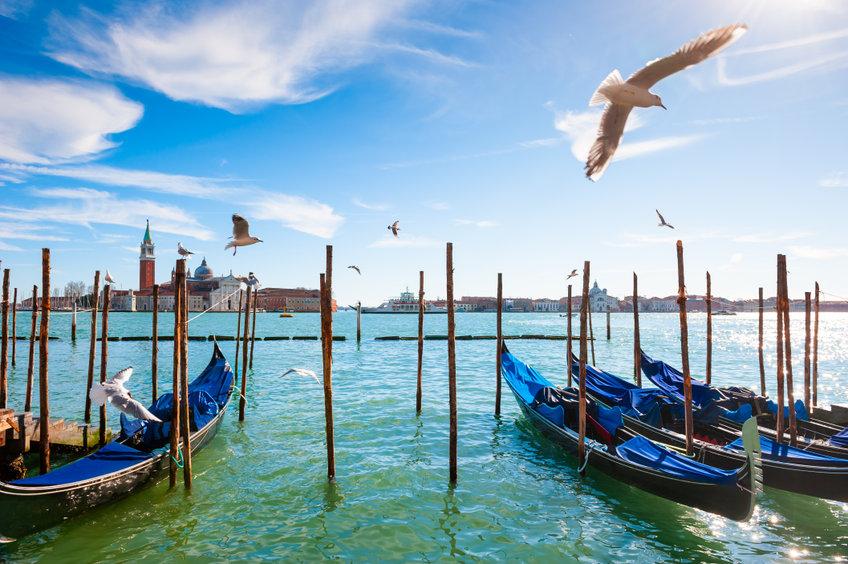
(641, 240)
(438, 206)
(735, 259)
(792, 43)
(391, 242)
(9, 248)
(832, 61)
(770, 237)
(482, 224)
(87, 207)
(368, 206)
(14, 9)
(818, 253)
(837, 179)
(236, 55)
(44, 121)
(26, 232)
(300, 214)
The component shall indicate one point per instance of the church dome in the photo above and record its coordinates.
(203, 272)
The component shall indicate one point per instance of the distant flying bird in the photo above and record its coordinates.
(620, 96)
(394, 228)
(302, 372)
(356, 268)
(109, 279)
(182, 251)
(241, 234)
(572, 275)
(663, 222)
(114, 392)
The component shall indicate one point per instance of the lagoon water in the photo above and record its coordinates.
(260, 490)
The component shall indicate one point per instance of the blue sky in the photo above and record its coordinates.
(324, 121)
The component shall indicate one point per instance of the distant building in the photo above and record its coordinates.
(545, 305)
(146, 262)
(291, 299)
(599, 300)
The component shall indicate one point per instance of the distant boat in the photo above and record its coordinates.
(573, 314)
(406, 303)
(724, 312)
(286, 314)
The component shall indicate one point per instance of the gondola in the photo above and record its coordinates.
(729, 407)
(629, 457)
(650, 412)
(140, 456)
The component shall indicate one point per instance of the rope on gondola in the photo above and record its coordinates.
(207, 310)
(180, 462)
(585, 460)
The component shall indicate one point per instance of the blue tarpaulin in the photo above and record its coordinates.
(643, 452)
(670, 380)
(800, 410)
(773, 450)
(840, 439)
(111, 458)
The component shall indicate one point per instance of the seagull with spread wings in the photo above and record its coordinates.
(356, 268)
(302, 372)
(241, 234)
(114, 392)
(620, 96)
(663, 222)
(572, 275)
(394, 228)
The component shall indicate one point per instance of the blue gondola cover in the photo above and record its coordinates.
(773, 450)
(670, 380)
(643, 452)
(111, 458)
(840, 439)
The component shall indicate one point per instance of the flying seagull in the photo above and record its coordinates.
(182, 251)
(663, 222)
(114, 392)
(241, 234)
(302, 372)
(109, 279)
(620, 96)
(394, 228)
(572, 275)
(356, 268)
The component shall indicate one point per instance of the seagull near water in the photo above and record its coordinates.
(241, 234)
(620, 96)
(356, 268)
(114, 392)
(663, 222)
(182, 251)
(394, 228)
(302, 372)
(572, 275)
(108, 277)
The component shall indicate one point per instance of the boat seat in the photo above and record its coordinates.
(111, 458)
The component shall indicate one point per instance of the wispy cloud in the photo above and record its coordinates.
(825, 62)
(44, 121)
(13, 9)
(87, 207)
(300, 214)
(630, 240)
(369, 206)
(818, 253)
(771, 237)
(735, 259)
(519, 146)
(9, 248)
(791, 43)
(390, 242)
(438, 206)
(439, 29)
(836, 179)
(481, 223)
(286, 53)
(26, 232)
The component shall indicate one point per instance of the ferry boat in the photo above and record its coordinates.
(406, 303)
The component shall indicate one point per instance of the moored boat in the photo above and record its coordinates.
(405, 303)
(139, 457)
(630, 457)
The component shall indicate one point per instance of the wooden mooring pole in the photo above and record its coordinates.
(451, 363)
(684, 350)
(31, 358)
(499, 344)
(245, 333)
(4, 344)
(15, 328)
(807, 343)
(154, 349)
(327, 365)
(591, 335)
(74, 325)
(568, 335)
(185, 421)
(787, 354)
(760, 309)
(176, 458)
(816, 350)
(104, 356)
(359, 322)
(92, 349)
(43, 359)
(253, 327)
(585, 307)
(238, 334)
(709, 300)
(637, 345)
(780, 365)
(609, 328)
(421, 306)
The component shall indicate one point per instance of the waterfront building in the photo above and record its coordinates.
(545, 305)
(599, 300)
(146, 261)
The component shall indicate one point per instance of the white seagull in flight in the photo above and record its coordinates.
(394, 228)
(302, 372)
(663, 222)
(572, 275)
(620, 96)
(114, 392)
(241, 234)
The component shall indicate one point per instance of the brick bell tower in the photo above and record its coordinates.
(146, 262)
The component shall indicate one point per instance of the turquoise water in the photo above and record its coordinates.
(261, 492)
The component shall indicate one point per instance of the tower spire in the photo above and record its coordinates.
(147, 238)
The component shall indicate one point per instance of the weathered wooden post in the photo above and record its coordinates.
(327, 365)
(816, 351)
(418, 389)
(807, 308)
(104, 355)
(185, 421)
(451, 363)
(609, 329)
(176, 461)
(787, 353)
(92, 349)
(780, 366)
(709, 300)
(760, 309)
(154, 350)
(74, 324)
(591, 335)
(238, 334)
(585, 307)
(358, 322)
(499, 323)
(245, 334)
(684, 350)
(253, 326)
(4, 344)
(637, 345)
(43, 359)
(30, 360)
(15, 328)
(568, 336)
